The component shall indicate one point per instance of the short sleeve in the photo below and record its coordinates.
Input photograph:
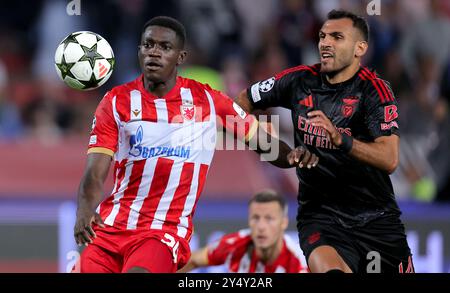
(272, 92)
(278, 91)
(219, 250)
(233, 118)
(381, 110)
(104, 133)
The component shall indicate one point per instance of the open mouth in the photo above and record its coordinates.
(261, 238)
(326, 56)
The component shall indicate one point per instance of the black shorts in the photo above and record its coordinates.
(378, 245)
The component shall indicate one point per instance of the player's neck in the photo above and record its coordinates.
(269, 255)
(343, 75)
(159, 88)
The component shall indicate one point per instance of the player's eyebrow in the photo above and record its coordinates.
(161, 42)
(336, 34)
(333, 34)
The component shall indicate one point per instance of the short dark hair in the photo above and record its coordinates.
(358, 21)
(168, 22)
(269, 195)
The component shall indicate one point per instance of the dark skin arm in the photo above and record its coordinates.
(90, 194)
(383, 153)
(243, 102)
(287, 157)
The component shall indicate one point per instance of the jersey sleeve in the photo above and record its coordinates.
(104, 133)
(232, 117)
(275, 91)
(381, 110)
(219, 250)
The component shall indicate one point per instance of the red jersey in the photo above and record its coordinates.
(237, 252)
(162, 149)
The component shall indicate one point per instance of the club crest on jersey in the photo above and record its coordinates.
(187, 111)
(349, 106)
(266, 85)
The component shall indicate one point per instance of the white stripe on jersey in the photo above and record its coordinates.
(244, 264)
(189, 204)
(212, 111)
(186, 96)
(260, 268)
(136, 105)
(144, 188)
(161, 111)
(114, 188)
(116, 114)
(166, 198)
(119, 194)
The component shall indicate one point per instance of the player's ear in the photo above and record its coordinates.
(361, 48)
(181, 57)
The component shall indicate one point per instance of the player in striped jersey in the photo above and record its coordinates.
(264, 248)
(348, 219)
(160, 131)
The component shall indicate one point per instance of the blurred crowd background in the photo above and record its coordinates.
(231, 45)
(44, 125)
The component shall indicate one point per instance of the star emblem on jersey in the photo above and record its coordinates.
(187, 111)
(266, 85)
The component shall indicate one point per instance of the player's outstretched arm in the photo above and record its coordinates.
(383, 153)
(90, 194)
(267, 143)
(244, 102)
(279, 153)
(199, 258)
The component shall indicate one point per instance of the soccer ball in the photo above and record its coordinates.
(84, 60)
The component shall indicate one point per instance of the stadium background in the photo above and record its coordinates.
(44, 125)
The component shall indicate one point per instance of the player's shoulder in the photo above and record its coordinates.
(192, 83)
(232, 241)
(124, 88)
(241, 237)
(373, 86)
(305, 71)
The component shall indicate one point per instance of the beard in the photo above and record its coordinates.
(338, 66)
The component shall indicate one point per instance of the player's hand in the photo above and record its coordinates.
(83, 232)
(318, 119)
(301, 157)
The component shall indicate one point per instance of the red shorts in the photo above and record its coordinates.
(116, 251)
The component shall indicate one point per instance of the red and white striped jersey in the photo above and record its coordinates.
(162, 149)
(237, 252)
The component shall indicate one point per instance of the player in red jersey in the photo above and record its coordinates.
(160, 131)
(264, 248)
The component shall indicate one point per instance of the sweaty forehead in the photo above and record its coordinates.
(343, 25)
(159, 34)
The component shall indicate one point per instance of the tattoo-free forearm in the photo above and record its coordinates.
(90, 192)
(381, 155)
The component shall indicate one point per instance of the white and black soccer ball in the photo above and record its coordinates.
(84, 60)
